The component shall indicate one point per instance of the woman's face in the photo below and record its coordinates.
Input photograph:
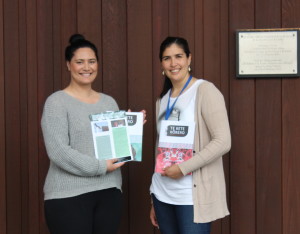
(175, 63)
(83, 66)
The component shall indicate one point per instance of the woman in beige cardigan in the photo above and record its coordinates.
(188, 196)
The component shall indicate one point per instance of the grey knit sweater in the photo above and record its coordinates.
(74, 169)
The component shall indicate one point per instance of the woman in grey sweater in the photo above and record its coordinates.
(82, 193)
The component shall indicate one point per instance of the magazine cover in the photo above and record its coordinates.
(110, 136)
(176, 140)
(135, 131)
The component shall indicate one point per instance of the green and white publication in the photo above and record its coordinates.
(117, 135)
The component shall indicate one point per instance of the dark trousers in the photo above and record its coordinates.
(177, 219)
(91, 213)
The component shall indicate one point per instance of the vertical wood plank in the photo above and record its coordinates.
(198, 53)
(45, 86)
(114, 51)
(224, 36)
(160, 29)
(68, 27)
(212, 57)
(173, 17)
(268, 156)
(89, 19)
(114, 71)
(290, 134)
(89, 23)
(268, 135)
(12, 117)
(211, 37)
(186, 22)
(291, 161)
(23, 117)
(242, 118)
(266, 16)
(225, 89)
(33, 121)
(140, 96)
(2, 129)
(58, 46)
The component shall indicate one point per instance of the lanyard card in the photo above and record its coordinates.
(110, 136)
(176, 140)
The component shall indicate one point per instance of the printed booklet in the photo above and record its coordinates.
(135, 130)
(176, 140)
(118, 135)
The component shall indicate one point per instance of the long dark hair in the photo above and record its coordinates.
(182, 43)
(78, 41)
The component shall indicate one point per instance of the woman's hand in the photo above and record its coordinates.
(111, 165)
(153, 217)
(144, 115)
(173, 172)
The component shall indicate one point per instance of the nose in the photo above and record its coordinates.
(173, 62)
(86, 66)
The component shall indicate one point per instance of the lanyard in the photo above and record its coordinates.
(169, 109)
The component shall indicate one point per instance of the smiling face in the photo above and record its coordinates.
(175, 63)
(83, 66)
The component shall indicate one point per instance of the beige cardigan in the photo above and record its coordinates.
(212, 141)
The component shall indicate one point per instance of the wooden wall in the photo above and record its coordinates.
(262, 169)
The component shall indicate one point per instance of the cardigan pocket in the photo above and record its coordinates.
(207, 194)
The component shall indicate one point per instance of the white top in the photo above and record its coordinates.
(165, 189)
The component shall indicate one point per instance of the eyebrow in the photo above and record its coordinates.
(171, 55)
(92, 59)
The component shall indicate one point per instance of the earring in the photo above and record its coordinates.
(189, 68)
(163, 73)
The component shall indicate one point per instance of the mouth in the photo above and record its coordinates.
(174, 71)
(86, 74)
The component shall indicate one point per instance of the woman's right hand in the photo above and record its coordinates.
(153, 217)
(111, 165)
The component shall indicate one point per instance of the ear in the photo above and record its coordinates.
(68, 66)
(190, 59)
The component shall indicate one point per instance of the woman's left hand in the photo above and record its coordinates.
(153, 217)
(173, 172)
(144, 116)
